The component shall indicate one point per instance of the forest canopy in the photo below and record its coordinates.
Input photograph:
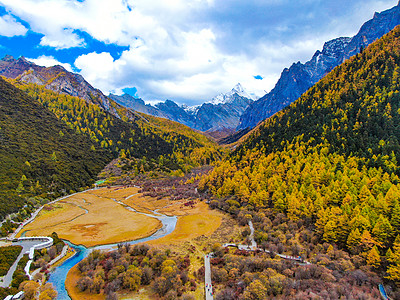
(331, 158)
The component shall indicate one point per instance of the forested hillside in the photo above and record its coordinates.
(52, 144)
(330, 160)
(132, 135)
(39, 154)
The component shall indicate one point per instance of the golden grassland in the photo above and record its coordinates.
(93, 218)
(197, 229)
(192, 223)
(193, 220)
(145, 203)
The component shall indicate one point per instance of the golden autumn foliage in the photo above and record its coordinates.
(331, 158)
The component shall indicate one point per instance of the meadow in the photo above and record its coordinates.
(93, 218)
(197, 228)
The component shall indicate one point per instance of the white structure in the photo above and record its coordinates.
(43, 242)
(20, 295)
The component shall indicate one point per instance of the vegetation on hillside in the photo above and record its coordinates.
(240, 274)
(33, 290)
(52, 144)
(330, 160)
(137, 138)
(39, 154)
(7, 257)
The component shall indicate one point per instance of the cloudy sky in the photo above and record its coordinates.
(184, 50)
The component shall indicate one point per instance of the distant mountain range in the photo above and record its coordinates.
(300, 77)
(221, 114)
(230, 113)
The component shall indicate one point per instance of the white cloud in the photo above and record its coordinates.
(99, 69)
(48, 61)
(10, 27)
(191, 50)
(63, 39)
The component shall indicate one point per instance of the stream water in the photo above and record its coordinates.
(59, 274)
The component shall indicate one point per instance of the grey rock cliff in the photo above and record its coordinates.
(54, 78)
(300, 77)
(220, 114)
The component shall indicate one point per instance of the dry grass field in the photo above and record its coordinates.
(193, 220)
(93, 218)
(192, 223)
(198, 227)
(144, 203)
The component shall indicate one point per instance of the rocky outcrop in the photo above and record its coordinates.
(177, 113)
(221, 114)
(55, 78)
(300, 77)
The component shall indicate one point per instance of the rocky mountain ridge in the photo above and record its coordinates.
(55, 78)
(221, 114)
(229, 97)
(297, 79)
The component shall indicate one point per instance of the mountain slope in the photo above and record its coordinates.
(220, 114)
(330, 159)
(177, 113)
(71, 139)
(54, 78)
(138, 105)
(132, 134)
(300, 77)
(229, 97)
(40, 154)
(215, 117)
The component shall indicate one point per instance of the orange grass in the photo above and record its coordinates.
(106, 221)
(198, 221)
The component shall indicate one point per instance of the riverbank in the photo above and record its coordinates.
(73, 291)
(198, 221)
(94, 218)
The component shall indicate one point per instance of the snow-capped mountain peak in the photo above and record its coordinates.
(191, 110)
(227, 98)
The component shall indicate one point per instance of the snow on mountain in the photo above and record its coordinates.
(228, 97)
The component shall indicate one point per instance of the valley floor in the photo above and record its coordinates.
(113, 215)
(93, 218)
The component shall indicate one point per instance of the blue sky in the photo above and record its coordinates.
(184, 50)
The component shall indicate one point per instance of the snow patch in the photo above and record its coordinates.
(228, 97)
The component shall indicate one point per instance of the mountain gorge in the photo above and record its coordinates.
(297, 79)
(75, 130)
(219, 116)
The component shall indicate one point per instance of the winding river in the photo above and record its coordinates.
(59, 274)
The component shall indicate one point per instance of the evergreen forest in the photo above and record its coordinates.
(329, 164)
(53, 144)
